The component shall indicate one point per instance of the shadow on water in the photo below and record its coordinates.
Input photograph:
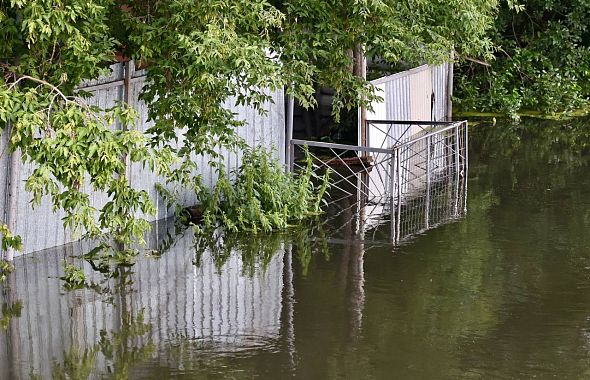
(500, 293)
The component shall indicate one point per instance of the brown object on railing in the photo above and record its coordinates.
(365, 161)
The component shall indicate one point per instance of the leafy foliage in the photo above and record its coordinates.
(200, 56)
(74, 277)
(6, 268)
(48, 48)
(105, 256)
(263, 196)
(542, 61)
(10, 311)
(9, 240)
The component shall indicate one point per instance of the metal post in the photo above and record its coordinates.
(361, 202)
(126, 98)
(13, 180)
(14, 166)
(360, 70)
(289, 132)
(466, 163)
(448, 167)
(291, 166)
(457, 168)
(392, 174)
(399, 194)
(123, 127)
(428, 169)
(450, 87)
(126, 81)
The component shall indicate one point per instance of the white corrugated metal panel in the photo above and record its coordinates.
(117, 72)
(267, 130)
(440, 85)
(421, 95)
(139, 177)
(398, 98)
(41, 228)
(396, 105)
(440, 76)
(180, 301)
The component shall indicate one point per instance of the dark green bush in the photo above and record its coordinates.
(541, 63)
(263, 195)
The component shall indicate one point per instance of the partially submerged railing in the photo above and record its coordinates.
(410, 176)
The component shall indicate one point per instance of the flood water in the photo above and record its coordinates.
(502, 293)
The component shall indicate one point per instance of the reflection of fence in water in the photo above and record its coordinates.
(197, 313)
(401, 173)
(230, 308)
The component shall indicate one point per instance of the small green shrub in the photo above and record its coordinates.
(6, 267)
(264, 196)
(74, 277)
(9, 240)
(9, 312)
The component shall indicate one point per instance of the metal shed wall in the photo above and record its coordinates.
(419, 94)
(403, 94)
(41, 228)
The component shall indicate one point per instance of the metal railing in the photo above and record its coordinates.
(410, 176)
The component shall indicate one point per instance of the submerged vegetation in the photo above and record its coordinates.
(263, 195)
(257, 251)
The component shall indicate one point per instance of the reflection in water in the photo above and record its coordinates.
(225, 297)
(501, 293)
(9, 311)
(200, 300)
(256, 252)
(114, 354)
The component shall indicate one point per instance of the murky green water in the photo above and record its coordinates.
(502, 293)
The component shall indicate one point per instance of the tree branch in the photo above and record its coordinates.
(41, 81)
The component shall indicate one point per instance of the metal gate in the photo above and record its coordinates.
(410, 177)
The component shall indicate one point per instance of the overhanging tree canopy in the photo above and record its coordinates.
(198, 54)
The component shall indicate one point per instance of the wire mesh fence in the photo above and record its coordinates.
(409, 177)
